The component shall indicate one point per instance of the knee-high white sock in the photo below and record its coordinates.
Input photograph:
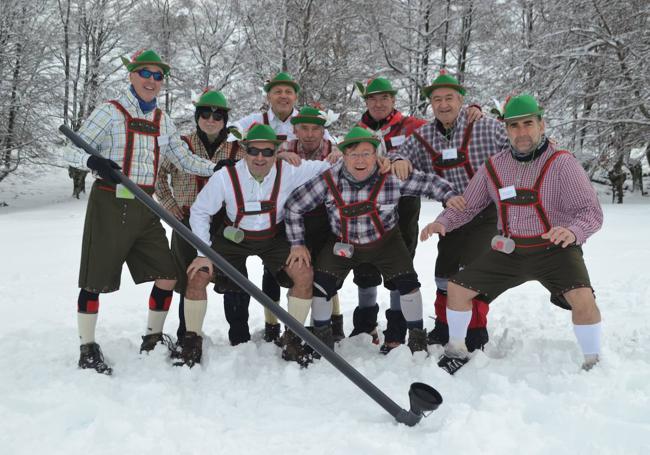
(195, 314)
(458, 323)
(412, 309)
(86, 323)
(298, 308)
(588, 338)
(156, 321)
(336, 305)
(321, 310)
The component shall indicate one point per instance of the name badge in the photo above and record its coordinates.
(450, 154)
(386, 206)
(163, 140)
(397, 140)
(122, 192)
(507, 192)
(252, 206)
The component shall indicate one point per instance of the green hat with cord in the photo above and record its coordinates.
(282, 78)
(444, 80)
(356, 135)
(259, 132)
(144, 57)
(521, 106)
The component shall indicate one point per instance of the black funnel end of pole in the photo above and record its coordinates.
(424, 399)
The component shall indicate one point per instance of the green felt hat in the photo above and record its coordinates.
(145, 58)
(212, 98)
(356, 135)
(260, 132)
(521, 106)
(444, 79)
(309, 114)
(282, 78)
(376, 85)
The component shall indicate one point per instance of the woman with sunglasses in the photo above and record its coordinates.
(207, 141)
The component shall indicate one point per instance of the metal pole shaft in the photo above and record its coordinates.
(402, 415)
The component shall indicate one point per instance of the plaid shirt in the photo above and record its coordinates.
(488, 137)
(186, 186)
(566, 194)
(105, 130)
(325, 148)
(361, 230)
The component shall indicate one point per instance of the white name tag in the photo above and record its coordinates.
(386, 206)
(507, 192)
(163, 140)
(397, 140)
(252, 206)
(450, 154)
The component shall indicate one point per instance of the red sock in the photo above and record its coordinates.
(480, 310)
(440, 306)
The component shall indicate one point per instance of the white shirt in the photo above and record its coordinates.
(219, 191)
(278, 125)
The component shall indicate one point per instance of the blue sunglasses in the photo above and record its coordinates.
(146, 74)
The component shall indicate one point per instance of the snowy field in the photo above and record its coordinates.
(524, 395)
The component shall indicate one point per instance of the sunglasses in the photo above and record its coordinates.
(267, 153)
(146, 74)
(216, 115)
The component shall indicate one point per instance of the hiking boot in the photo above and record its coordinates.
(271, 332)
(238, 334)
(337, 327)
(150, 341)
(91, 357)
(395, 333)
(417, 340)
(386, 347)
(476, 339)
(454, 358)
(364, 320)
(292, 348)
(590, 361)
(323, 333)
(439, 334)
(192, 350)
(235, 305)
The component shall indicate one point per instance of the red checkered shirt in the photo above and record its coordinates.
(325, 148)
(566, 195)
(361, 230)
(488, 137)
(396, 129)
(184, 186)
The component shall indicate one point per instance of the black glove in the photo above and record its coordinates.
(103, 167)
(227, 163)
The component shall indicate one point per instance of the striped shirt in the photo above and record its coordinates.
(488, 137)
(566, 195)
(361, 230)
(105, 130)
(219, 191)
(184, 186)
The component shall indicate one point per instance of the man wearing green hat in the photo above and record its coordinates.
(394, 128)
(253, 193)
(361, 205)
(133, 134)
(310, 144)
(547, 208)
(454, 147)
(207, 141)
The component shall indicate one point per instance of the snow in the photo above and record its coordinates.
(525, 394)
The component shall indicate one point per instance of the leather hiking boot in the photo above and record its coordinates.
(192, 350)
(337, 327)
(439, 334)
(293, 349)
(417, 340)
(150, 341)
(323, 333)
(364, 320)
(271, 332)
(91, 357)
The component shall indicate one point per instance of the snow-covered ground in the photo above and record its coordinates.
(525, 394)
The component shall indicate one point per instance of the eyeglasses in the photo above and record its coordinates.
(356, 156)
(267, 153)
(216, 115)
(146, 74)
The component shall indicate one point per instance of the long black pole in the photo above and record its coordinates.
(401, 415)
